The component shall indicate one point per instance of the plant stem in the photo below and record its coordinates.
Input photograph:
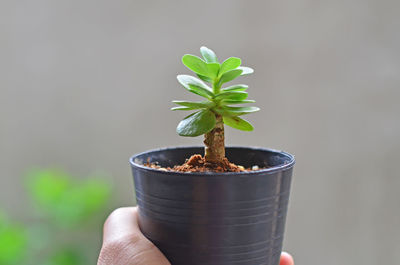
(215, 142)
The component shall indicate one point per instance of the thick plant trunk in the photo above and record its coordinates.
(215, 142)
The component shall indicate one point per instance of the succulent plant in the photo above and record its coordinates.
(218, 108)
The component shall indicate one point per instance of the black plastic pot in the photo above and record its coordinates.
(215, 218)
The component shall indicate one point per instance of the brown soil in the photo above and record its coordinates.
(197, 163)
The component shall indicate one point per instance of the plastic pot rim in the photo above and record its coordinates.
(273, 169)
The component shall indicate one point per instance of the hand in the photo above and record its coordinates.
(124, 244)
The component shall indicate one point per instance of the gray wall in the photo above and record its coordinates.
(86, 83)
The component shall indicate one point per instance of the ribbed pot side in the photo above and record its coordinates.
(215, 218)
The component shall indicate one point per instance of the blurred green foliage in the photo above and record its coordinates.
(13, 242)
(66, 201)
(67, 215)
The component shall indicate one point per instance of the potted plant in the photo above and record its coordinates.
(228, 206)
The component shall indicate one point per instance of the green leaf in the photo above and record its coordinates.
(238, 123)
(205, 78)
(237, 111)
(48, 186)
(234, 95)
(13, 243)
(195, 105)
(66, 201)
(94, 193)
(195, 64)
(233, 102)
(230, 75)
(236, 88)
(183, 108)
(222, 111)
(246, 70)
(197, 123)
(213, 70)
(230, 64)
(208, 55)
(195, 86)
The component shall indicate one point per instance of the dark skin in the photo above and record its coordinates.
(124, 244)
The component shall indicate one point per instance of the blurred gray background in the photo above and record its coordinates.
(84, 84)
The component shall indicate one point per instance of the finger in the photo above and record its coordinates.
(124, 244)
(121, 223)
(286, 259)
